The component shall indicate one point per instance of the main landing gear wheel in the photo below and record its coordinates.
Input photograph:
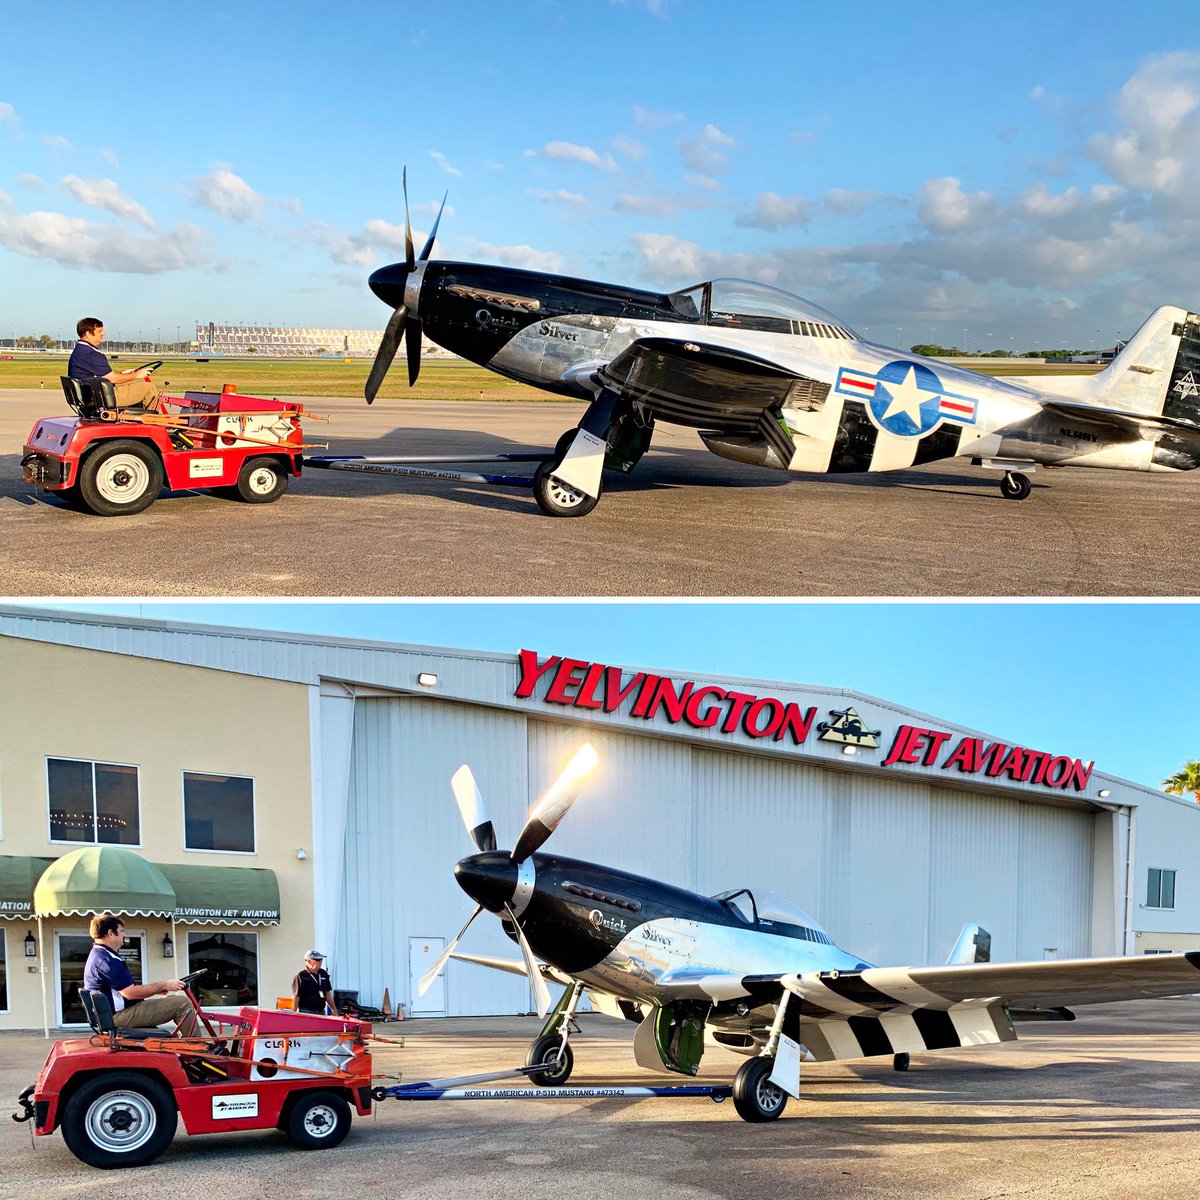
(545, 1050)
(755, 1097)
(260, 481)
(1015, 486)
(559, 499)
(121, 477)
(318, 1120)
(119, 1119)
(901, 1062)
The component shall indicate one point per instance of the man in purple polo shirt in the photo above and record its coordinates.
(87, 363)
(134, 1004)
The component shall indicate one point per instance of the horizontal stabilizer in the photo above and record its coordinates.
(974, 945)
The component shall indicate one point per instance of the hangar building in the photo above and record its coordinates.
(293, 791)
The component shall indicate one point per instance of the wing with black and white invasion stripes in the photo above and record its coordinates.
(891, 1010)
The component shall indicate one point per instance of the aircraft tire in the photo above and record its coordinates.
(755, 1097)
(545, 1050)
(556, 499)
(901, 1062)
(1015, 486)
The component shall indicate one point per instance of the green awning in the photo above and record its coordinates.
(19, 874)
(223, 895)
(103, 879)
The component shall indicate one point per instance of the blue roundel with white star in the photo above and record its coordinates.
(907, 399)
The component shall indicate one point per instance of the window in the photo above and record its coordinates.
(3, 970)
(231, 960)
(1160, 890)
(218, 813)
(93, 802)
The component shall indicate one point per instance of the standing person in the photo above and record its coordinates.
(312, 989)
(87, 364)
(133, 1004)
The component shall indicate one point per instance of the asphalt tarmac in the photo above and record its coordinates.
(685, 523)
(1108, 1106)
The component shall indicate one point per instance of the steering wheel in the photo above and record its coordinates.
(188, 980)
(150, 366)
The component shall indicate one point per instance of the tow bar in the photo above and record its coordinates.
(467, 1087)
(420, 466)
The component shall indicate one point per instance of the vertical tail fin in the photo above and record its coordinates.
(974, 945)
(1158, 371)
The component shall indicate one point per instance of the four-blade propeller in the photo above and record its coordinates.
(544, 818)
(404, 322)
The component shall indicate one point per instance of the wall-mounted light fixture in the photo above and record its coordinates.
(427, 679)
(168, 946)
(850, 750)
(31, 947)
(1105, 793)
(302, 854)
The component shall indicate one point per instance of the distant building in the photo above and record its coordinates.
(278, 341)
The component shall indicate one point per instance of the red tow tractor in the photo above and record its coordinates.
(115, 461)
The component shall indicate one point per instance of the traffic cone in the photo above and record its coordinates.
(387, 1005)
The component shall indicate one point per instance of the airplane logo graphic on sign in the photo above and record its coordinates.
(906, 398)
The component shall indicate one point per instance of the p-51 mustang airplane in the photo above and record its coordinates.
(746, 969)
(772, 380)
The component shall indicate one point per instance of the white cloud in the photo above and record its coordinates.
(943, 207)
(572, 152)
(439, 158)
(104, 194)
(629, 147)
(110, 158)
(559, 195)
(228, 195)
(850, 202)
(772, 211)
(8, 116)
(670, 257)
(55, 143)
(32, 181)
(653, 120)
(656, 8)
(706, 152)
(525, 257)
(291, 205)
(75, 242)
(707, 182)
(647, 206)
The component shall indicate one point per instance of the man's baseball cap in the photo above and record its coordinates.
(314, 954)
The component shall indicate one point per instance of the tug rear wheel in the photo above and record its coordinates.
(121, 477)
(755, 1097)
(119, 1119)
(318, 1120)
(545, 1050)
(261, 480)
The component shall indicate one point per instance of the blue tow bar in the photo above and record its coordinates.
(421, 466)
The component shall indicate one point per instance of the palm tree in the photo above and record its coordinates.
(1186, 780)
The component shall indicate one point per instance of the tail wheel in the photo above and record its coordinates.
(901, 1061)
(559, 499)
(261, 480)
(119, 1119)
(755, 1097)
(1015, 486)
(121, 477)
(318, 1120)
(545, 1050)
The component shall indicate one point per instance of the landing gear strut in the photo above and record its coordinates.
(1015, 486)
(552, 1047)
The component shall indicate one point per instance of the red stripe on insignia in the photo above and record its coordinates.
(858, 383)
(963, 408)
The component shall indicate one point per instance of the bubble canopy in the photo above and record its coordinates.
(755, 305)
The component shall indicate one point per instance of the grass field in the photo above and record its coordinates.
(440, 380)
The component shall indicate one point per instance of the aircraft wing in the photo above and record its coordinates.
(709, 387)
(889, 1010)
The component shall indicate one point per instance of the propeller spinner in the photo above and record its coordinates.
(491, 877)
(391, 284)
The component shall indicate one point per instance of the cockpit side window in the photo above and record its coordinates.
(692, 303)
(741, 904)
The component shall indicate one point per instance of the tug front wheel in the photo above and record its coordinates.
(1015, 486)
(755, 1097)
(558, 499)
(545, 1050)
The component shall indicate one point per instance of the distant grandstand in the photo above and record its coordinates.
(282, 342)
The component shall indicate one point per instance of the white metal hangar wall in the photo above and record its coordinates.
(891, 868)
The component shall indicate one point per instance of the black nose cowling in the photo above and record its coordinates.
(388, 284)
(489, 879)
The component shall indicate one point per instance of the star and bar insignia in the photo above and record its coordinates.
(906, 398)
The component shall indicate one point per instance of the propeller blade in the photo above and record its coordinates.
(545, 815)
(409, 260)
(412, 350)
(427, 979)
(473, 809)
(433, 232)
(388, 345)
(541, 993)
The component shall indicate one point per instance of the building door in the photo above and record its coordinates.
(421, 955)
(70, 955)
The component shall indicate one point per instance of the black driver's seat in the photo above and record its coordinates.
(99, 1012)
(90, 400)
(77, 396)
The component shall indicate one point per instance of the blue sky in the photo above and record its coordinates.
(1117, 683)
(996, 176)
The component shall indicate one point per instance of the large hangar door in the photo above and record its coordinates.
(1055, 910)
(403, 837)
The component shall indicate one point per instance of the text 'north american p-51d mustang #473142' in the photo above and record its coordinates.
(746, 969)
(769, 379)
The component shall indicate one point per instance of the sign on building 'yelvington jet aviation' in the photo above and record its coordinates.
(746, 969)
(770, 379)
